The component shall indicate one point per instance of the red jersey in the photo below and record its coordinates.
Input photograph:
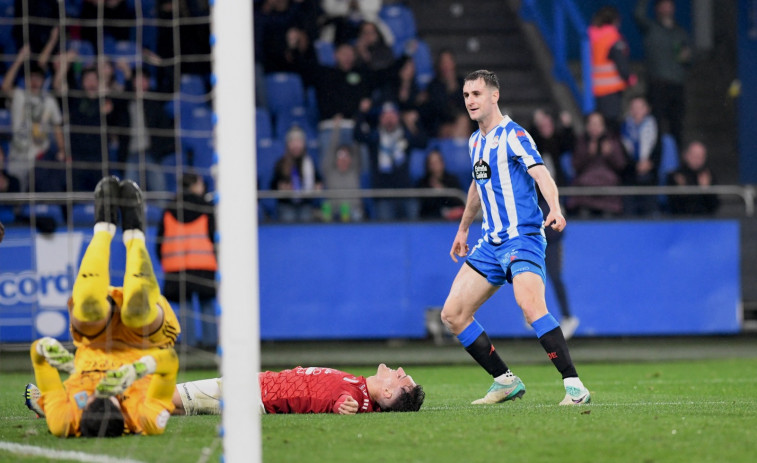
(312, 390)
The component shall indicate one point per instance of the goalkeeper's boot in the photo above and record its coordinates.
(499, 392)
(55, 354)
(107, 194)
(132, 206)
(576, 396)
(32, 394)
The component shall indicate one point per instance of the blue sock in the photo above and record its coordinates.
(544, 325)
(470, 333)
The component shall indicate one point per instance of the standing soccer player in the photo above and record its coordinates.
(505, 165)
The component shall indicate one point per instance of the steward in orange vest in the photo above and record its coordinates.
(610, 65)
(188, 257)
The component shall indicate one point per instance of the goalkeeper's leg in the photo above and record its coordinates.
(90, 308)
(140, 310)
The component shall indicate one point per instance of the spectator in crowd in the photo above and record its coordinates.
(193, 39)
(8, 183)
(185, 245)
(398, 83)
(34, 115)
(552, 143)
(667, 53)
(34, 33)
(99, 15)
(147, 143)
(373, 54)
(389, 142)
(694, 171)
(277, 24)
(341, 171)
(295, 171)
(610, 65)
(444, 103)
(641, 140)
(437, 177)
(88, 113)
(598, 160)
(342, 20)
(339, 91)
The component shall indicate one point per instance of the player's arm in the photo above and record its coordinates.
(548, 189)
(472, 208)
(346, 405)
(58, 414)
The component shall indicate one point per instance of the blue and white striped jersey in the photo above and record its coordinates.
(500, 162)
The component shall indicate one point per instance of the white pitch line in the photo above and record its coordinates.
(31, 450)
(601, 404)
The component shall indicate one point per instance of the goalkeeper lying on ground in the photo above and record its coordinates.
(302, 390)
(121, 335)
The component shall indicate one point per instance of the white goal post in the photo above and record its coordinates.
(237, 221)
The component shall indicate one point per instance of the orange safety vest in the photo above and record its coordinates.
(604, 74)
(186, 246)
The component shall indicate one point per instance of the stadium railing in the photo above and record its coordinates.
(746, 193)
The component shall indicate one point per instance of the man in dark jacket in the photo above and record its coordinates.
(187, 254)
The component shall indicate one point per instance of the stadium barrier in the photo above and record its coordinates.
(377, 280)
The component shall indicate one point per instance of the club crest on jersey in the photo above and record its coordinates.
(481, 172)
(495, 142)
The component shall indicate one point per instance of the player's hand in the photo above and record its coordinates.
(115, 382)
(348, 407)
(555, 220)
(459, 246)
(55, 354)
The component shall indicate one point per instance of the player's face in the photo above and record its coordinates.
(394, 379)
(480, 100)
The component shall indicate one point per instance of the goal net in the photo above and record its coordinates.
(127, 88)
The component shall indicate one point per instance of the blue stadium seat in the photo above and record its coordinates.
(6, 125)
(269, 151)
(424, 64)
(168, 163)
(51, 211)
(192, 84)
(197, 135)
(284, 90)
(6, 214)
(85, 50)
(123, 49)
(263, 126)
(566, 162)
(73, 8)
(401, 21)
(417, 164)
(298, 116)
(456, 157)
(669, 159)
(325, 52)
(83, 214)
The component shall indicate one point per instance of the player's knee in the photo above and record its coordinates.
(452, 318)
(135, 311)
(91, 309)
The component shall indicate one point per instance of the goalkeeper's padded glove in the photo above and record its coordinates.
(55, 354)
(115, 382)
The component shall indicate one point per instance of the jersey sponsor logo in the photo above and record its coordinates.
(482, 172)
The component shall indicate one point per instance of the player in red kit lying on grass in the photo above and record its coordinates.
(303, 390)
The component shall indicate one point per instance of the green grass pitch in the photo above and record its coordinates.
(685, 411)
